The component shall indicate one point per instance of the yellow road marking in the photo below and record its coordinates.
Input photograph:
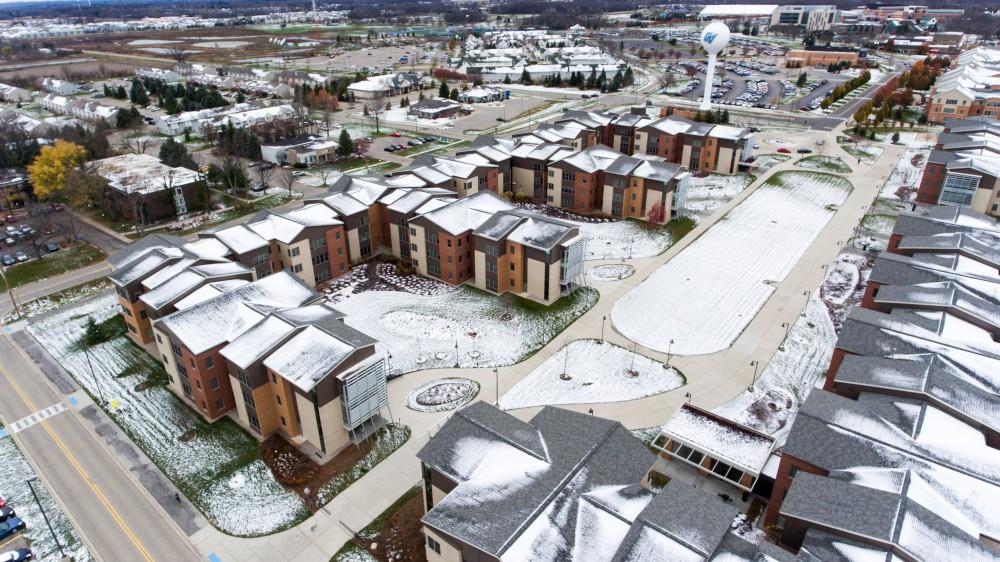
(76, 465)
(10, 540)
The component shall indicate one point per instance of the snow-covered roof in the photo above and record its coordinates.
(222, 319)
(737, 10)
(592, 159)
(144, 264)
(240, 238)
(308, 357)
(143, 173)
(467, 213)
(184, 282)
(722, 438)
(207, 248)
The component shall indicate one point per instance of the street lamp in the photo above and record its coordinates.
(754, 380)
(62, 553)
(786, 326)
(10, 292)
(100, 391)
(669, 345)
(603, 319)
(496, 380)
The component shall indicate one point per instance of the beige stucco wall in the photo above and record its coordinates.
(354, 245)
(448, 553)
(536, 280)
(606, 202)
(420, 254)
(394, 240)
(981, 201)
(479, 265)
(555, 192)
(521, 179)
(332, 417)
(304, 259)
(169, 362)
(241, 407)
(686, 156)
(553, 282)
(309, 428)
(641, 138)
(725, 164)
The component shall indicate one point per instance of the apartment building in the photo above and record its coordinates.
(529, 255)
(822, 56)
(441, 243)
(241, 115)
(384, 85)
(304, 374)
(811, 17)
(13, 94)
(310, 242)
(576, 181)
(968, 89)
(896, 454)
(59, 87)
(85, 110)
(308, 150)
(964, 167)
(645, 188)
(563, 485)
(463, 174)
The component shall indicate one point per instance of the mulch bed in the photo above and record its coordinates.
(401, 540)
(296, 471)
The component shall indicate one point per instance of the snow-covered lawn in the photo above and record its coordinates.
(907, 175)
(218, 470)
(14, 488)
(874, 231)
(598, 372)
(442, 395)
(55, 300)
(422, 332)
(824, 164)
(706, 295)
(385, 277)
(710, 192)
(630, 239)
(789, 375)
(611, 272)
(844, 285)
(767, 161)
(398, 115)
(867, 153)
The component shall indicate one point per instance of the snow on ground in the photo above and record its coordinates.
(212, 466)
(789, 375)
(706, 295)
(422, 332)
(62, 298)
(844, 285)
(398, 115)
(382, 277)
(906, 176)
(598, 372)
(867, 153)
(873, 232)
(709, 193)
(767, 161)
(442, 395)
(14, 488)
(624, 239)
(824, 164)
(611, 272)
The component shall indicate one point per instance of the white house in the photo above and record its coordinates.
(14, 94)
(61, 87)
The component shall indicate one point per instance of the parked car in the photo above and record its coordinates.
(10, 241)
(298, 173)
(390, 148)
(8, 259)
(428, 139)
(11, 229)
(19, 555)
(820, 142)
(3, 502)
(53, 247)
(11, 526)
(756, 146)
(57, 207)
(11, 219)
(6, 513)
(21, 256)
(395, 134)
(804, 150)
(784, 150)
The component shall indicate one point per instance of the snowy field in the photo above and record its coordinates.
(610, 272)
(873, 233)
(710, 192)
(218, 469)
(767, 161)
(442, 395)
(789, 376)
(14, 488)
(706, 295)
(598, 372)
(867, 153)
(467, 327)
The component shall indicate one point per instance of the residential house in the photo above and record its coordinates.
(433, 108)
(384, 85)
(13, 94)
(59, 87)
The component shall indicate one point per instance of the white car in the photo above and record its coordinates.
(820, 142)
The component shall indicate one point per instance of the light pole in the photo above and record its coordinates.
(10, 292)
(670, 344)
(496, 380)
(44, 516)
(754, 380)
(603, 319)
(100, 392)
(806, 294)
(786, 326)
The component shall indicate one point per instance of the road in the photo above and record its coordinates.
(113, 514)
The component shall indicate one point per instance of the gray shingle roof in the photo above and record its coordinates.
(140, 247)
(556, 457)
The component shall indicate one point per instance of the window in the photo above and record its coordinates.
(260, 259)
(159, 339)
(193, 364)
(413, 232)
(317, 243)
(127, 312)
(219, 403)
(143, 315)
(198, 384)
(413, 247)
(214, 383)
(274, 379)
(491, 267)
(165, 360)
(322, 257)
(513, 249)
(448, 243)
(297, 268)
(277, 398)
(491, 283)
(292, 252)
(282, 421)
(433, 545)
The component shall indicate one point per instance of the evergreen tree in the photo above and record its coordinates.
(107, 92)
(506, 79)
(405, 102)
(454, 94)
(420, 96)
(345, 146)
(525, 77)
(802, 79)
(388, 105)
(240, 98)
(444, 90)
(120, 93)
(895, 138)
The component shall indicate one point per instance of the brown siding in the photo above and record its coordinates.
(456, 257)
(200, 376)
(515, 268)
(336, 241)
(930, 185)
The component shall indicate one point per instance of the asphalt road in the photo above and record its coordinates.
(114, 515)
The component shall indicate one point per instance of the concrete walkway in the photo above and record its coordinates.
(713, 379)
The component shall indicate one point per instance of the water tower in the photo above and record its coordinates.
(714, 38)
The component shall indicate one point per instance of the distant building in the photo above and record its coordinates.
(810, 17)
(969, 88)
(964, 167)
(822, 57)
(140, 186)
(737, 11)
(481, 95)
(434, 108)
(384, 85)
(13, 94)
(61, 87)
(83, 109)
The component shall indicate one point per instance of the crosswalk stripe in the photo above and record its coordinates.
(34, 418)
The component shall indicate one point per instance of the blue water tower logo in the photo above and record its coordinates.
(709, 37)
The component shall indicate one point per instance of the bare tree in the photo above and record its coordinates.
(234, 178)
(327, 118)
(325, 173)
(83, 189)
(285, 179)
(374, 108)
(264, 174)
(136, 144)
(178, 54)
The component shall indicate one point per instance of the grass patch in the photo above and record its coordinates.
(56, 300)
(50, 265)
(437, 149)
(679, 227)
(824, 163)
(355, 163)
